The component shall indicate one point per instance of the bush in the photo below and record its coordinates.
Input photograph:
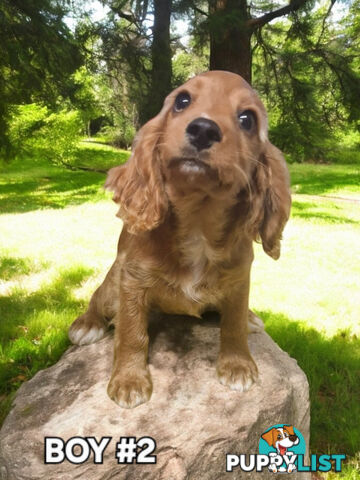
(60, 136)
(25, 122)
(120, 135)
(35, 131)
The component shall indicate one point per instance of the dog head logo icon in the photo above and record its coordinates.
(282, 443)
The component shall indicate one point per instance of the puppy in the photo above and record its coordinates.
(203, 182)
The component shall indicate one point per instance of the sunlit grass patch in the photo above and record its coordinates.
(317, 276)
(328, 180)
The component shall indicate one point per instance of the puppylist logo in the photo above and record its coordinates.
(282, 450)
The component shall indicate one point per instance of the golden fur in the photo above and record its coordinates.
(190, 217)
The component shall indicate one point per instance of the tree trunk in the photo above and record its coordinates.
(161, 57)
(230, 37)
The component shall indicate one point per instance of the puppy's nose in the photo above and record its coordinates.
(202, 133)
(293, 438)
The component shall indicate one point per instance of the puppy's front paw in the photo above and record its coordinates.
(87, 329)
(237, 373)
(130, 390)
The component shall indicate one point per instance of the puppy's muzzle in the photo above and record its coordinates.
(202, 133)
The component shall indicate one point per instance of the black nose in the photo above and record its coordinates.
(293, 438)
(202, 133)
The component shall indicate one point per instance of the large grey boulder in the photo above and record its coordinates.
(195, 420)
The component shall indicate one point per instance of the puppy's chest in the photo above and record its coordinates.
(201, 269)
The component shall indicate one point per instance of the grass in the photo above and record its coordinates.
(30, 184)
(327, 180)
(58, 238)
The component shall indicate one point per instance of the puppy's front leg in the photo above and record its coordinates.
(130, 383)
(235, 366)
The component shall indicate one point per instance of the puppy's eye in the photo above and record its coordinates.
(247, 120)
(182, 101)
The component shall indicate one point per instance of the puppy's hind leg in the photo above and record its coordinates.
(94, 323)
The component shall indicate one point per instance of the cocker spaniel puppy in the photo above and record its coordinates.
(203, 182)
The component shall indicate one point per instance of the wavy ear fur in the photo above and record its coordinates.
(271, 200)
(138, 185)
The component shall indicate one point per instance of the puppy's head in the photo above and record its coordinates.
(210, 137)
(281, 438)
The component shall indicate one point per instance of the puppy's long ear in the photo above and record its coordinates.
(138, 185)
(271, 202)
(269, 437)
(289, 429)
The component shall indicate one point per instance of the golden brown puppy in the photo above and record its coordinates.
(202, 183)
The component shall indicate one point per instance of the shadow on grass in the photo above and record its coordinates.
(321, 211)
(319, 179)
(33, 329)
(332, 366)
(32, 186)
(52, 191)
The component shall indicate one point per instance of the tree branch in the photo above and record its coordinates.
(293, 6)
(199, 10)
(129, 16)
(332, 2)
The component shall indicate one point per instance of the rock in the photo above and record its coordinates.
(194, 420)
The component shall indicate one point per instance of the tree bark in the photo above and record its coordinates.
(230, 37)
(161, 57)
(231, 28)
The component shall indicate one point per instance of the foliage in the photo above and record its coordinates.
(125, 49)
(312, 81)
(35, 131)
(85, 98)
(38, 54)
(188, 63)
(120, 135)
(119, 112)
(59, 136)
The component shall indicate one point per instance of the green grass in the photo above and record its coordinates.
(29, 184)
(58, 238)
(327, 180)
